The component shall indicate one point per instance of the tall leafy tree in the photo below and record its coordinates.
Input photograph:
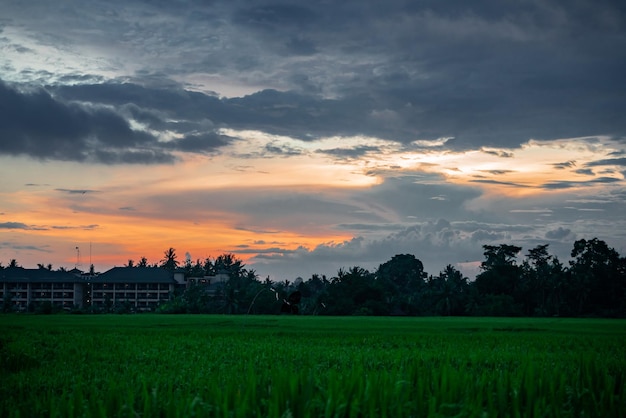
(354, 292)
(448, 292)
(499, 284)
(239, 290)
(196, 269)
(500, 272)
(230, 264)
(170, 260)
(543, 278)
(597, 282)
(403, 278)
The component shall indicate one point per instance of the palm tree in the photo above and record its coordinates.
(169, 262)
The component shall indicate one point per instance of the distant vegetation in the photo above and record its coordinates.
(593, 284)
(285, 366)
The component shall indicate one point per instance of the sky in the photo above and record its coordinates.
(307, 137)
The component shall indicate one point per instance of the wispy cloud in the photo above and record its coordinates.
(565, 184)
(13, 225)
(77, 191)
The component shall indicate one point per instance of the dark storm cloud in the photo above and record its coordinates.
(204, 142)
(484, 73)
(275, 112)
(78, 127)
(458, 68)
(285, 113)
(282, 25)
(36, 124)
(176, 102)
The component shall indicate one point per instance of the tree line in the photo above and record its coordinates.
(539, 284)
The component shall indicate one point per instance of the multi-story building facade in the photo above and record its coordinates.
(139, 288)
(142, 288)
(28, 287)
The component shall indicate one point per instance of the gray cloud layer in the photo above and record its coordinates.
(484, 73)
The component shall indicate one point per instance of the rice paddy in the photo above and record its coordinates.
(286, 366)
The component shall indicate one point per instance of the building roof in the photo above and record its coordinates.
(20, 274)
(135, 275)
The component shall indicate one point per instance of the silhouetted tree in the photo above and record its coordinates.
(597, 283)
(195, 269)
(448, 293)
(169, 262)
(354, 292)
(543, 279)
(229, 264)
(403, 279)
(499, 284)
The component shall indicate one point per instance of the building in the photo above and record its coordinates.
(140, 288)
(135, 288)
(212, 285)
(26, 288)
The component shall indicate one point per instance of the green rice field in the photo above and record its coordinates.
(289, 366)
